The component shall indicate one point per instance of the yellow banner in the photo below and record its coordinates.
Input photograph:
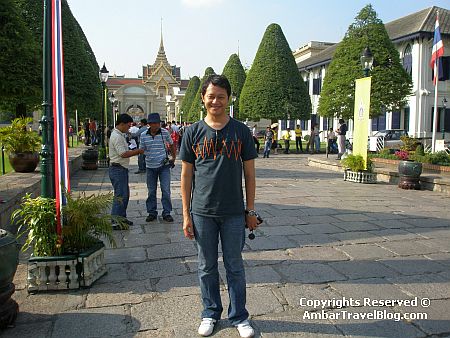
(361, 117)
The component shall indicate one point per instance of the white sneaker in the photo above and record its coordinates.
(245, 329)
(206, 327)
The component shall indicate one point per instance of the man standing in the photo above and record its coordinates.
(298, 138)
(119, 155)
(287, 140)
(154, 143)
(214, 152)
(255, 138)
(342, 130)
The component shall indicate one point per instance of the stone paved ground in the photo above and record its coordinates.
(323, 239)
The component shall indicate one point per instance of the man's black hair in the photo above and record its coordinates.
(217, 80)
(123, 118)
(144, 122)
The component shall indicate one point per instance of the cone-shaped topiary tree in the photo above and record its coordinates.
(194, 112)
(189, 96)
(235, 73)
(391, 84)
(274, 88)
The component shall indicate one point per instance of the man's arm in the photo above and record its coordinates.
(187, 171)
(130, 153)
(250, 191)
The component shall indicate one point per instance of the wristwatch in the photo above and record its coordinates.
(251, 212)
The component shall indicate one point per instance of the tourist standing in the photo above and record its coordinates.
(214, 152)
(298, 138)
(341, 132)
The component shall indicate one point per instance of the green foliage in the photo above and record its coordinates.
(439, 158)
(274, 88)
(390, 82)
(235, 73)
(18, 138)
(197, 106)
(419, 150)
(85, 221)
(189, 96)
(384, 153)
(409, 144)
(356, 163)
(82, 86)
(36, 217)
(19, 59)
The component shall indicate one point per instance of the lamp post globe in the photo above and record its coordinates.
(103, 75)
(233, 100)
(367, 60)
(113, 101)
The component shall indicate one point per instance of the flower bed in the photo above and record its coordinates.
(429, 166)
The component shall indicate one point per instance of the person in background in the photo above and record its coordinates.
(298, 138)
(275, 141)
(119, 155)
(316, 140)
(287, 140)
(141, 158)
(268, 139)
(341, 132)
(331, 136)
(255, 138)
(154, 143)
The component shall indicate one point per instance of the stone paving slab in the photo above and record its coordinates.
(376, 242)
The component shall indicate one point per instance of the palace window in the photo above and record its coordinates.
(407, 59)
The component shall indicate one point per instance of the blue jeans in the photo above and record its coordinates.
(232, 238)
(317, 143)
(267, 147)
(141, 162)
(163, 173)
(119, 180)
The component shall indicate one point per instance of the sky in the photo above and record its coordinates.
(125, 35)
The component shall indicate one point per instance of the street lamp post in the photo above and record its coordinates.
(181, 115)
(233, 100)
(103, 75)
(113, 101)
(367, 61)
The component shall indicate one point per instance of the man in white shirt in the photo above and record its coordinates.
(119, 155)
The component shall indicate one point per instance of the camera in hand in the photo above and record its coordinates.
(168, 162)
(251, 235)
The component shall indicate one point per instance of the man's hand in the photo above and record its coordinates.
(188, 227)
(251, 222)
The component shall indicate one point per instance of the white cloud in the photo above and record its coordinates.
(201, 3)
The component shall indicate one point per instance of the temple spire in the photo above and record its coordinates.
(161, 44)
(161, 57)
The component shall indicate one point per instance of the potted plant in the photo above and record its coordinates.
(356, 169)
(22, 144)
(409, 170)
(76, 257)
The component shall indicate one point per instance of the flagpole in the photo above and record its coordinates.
(436, 110)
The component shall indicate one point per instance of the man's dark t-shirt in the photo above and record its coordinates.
(217, 156)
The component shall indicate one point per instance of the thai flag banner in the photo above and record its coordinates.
(59, 113)
(437, 51)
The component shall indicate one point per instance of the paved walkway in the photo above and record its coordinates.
(346, 244)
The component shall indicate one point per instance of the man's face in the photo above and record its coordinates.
(215, 100)
(154, 126)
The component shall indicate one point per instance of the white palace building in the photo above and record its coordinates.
(413, 37)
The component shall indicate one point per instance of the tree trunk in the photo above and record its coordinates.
(21, 110)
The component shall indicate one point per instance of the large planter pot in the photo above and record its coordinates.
(90, 159)
(409, 174)
(66, 272)
(360, 176)
(24, 162)
(9, 258)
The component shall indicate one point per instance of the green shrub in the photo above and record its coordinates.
(356, 163)
(419, 150)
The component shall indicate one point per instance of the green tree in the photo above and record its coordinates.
(82, 86)
(20, 84)
(274, 88)
(391, 84)
(235, 73)
(191, 90)
(197, 106)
